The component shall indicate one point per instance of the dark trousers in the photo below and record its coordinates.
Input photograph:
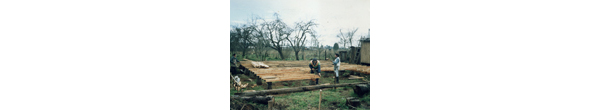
(317, 73)
(233, 70)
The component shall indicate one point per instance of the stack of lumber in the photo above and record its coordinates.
(259, 65)
(356, 68)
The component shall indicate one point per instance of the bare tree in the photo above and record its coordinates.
(233, 40)
(261, 45)
(276, 32)
(244, 38)
(346, 38)
(261, 48)
(298, 41)
(315, 43)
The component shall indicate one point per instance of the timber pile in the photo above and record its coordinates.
(351, 67)
(296, 89)
(275, 73)
(259, 65)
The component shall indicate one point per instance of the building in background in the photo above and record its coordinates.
(365, 51)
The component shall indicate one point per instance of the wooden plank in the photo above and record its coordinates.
(296, 89)
(292, 78)
(285, 75)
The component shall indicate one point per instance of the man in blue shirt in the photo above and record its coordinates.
(233, 64)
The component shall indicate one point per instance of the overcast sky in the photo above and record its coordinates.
(331, 15)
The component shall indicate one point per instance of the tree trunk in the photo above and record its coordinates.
(265, 56)
(257, 99)
(296, 89)
(325, 53)
(303, 54)
(281, 53)
(297, 57)
(244, 53)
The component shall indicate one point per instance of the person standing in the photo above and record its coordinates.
(233, 64)
(336, 67)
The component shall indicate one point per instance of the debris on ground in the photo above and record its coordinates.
(259, 65)
(355, 77)
(237, 84)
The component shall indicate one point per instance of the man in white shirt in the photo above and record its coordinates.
(336, 67)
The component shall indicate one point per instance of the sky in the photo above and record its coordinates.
(330, 15)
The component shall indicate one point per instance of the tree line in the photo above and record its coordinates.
(262, 35)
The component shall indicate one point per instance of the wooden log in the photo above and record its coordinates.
(296, 89)
(292, 78)
(361, 89)
(257, 99)
(352, 101)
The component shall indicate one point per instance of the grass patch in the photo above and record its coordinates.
(258, 88)
(285, 83)
(232, 91)
(306, 100)
(304, 83)
(332, 98)
(366, 98)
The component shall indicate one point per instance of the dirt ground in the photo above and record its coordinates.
(332, 98)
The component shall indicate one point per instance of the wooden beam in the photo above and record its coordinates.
(296, 89)
(257, 99)
(292, 78)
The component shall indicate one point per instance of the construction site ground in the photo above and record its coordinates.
(278, 71)
(331, 98)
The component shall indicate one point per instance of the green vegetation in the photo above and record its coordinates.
(332, 98)
(306, 100)
(336, 47)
